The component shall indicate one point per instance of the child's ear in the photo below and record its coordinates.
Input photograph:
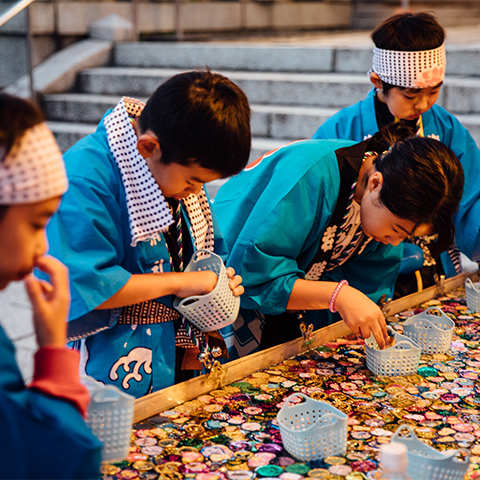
(375, 79)
(148, 146)
(375, 181)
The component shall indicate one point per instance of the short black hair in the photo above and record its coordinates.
(200, 116)
(17, 115)
(408, 32)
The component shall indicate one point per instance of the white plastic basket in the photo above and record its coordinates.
(216, 309)
(432, 332)
(472, 291)
(402, 358)
(427, 463)
(312, 430)
(110, 417)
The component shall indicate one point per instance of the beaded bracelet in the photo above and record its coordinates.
(333, 298)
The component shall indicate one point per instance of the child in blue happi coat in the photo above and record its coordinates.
(135, 212)
(317, 226)
(43, 433)
(407, 74)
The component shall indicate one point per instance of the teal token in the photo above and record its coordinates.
(379, 394)
(269, 471)
(427, 372)
(300, 468)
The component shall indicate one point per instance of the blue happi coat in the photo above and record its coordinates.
(358, 122)
(91, 234)
(273, 216)
(42, 436)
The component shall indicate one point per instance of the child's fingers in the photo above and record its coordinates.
(237, 291)
(230, 272)
(34, 289)
(57, 271)
(235, 281)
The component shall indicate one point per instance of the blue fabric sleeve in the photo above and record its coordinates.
(42, 436)
(288, 209)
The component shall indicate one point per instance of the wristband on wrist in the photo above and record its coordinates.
(333, 298)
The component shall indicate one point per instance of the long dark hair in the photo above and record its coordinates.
(16, 117)
(422, 179)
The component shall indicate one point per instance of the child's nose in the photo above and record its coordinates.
(422, 104)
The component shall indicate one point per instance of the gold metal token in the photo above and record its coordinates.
(333, 460)
(318, 473)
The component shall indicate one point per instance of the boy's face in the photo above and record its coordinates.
(179, 181)
(23, 239)
(407, 103)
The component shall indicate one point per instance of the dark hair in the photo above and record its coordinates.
(408, 32)
(16, 117)
(200, 116)
(422, 181)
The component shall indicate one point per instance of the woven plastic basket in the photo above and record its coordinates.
(402, 358)
(472, 291)
(110, 417)
(312, 430)
(432, 332)
(426, 463)
(216, 309)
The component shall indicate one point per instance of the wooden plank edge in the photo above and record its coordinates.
(169, 397)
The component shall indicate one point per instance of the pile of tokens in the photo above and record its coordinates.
(232, 432)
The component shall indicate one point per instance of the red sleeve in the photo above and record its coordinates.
(56, 373)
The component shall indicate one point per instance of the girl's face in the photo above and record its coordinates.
(23, 239)
(407, 103)
(380, 223)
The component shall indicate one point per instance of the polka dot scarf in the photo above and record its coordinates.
(148, 211)
(33, 170)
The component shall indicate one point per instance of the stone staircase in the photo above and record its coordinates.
(292, 89)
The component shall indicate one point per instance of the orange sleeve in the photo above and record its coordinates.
(56, 373)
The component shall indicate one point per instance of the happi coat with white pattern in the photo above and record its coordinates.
(275, 215)
(91, 234)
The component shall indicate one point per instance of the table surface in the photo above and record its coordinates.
(232, 431)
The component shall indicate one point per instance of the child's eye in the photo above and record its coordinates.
(409, 97)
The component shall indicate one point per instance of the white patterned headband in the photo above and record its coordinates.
(410, 69)
(33, 170)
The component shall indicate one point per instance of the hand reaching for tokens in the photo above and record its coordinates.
(361, 315)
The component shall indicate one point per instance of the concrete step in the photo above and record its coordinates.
(459, 95)
(300, 89)
(67, 134)
(269, 121)
(461, 60)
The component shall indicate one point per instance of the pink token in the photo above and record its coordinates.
(256, 461)
(188, 457)
(210, 476)
(463, 427)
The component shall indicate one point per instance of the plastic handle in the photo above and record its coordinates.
(203, 250)
(301, 395)
(434, 308)
(456, 456)
(472, 285)
(410, 345)
(411, 434)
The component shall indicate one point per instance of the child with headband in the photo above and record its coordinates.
(407, 74)
(43, 432)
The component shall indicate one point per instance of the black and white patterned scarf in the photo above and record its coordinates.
(148, 211)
